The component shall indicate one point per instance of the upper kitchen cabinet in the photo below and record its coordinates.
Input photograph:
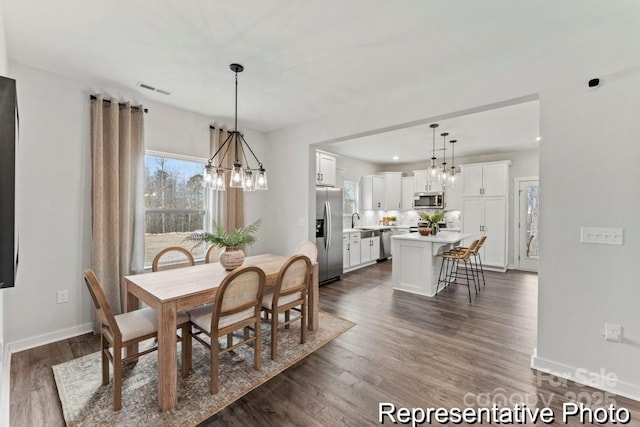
(325, 169)
(392, 190)
(372, 192)
(453, 196)
(424, 184)
(408, 190)
(485, 179)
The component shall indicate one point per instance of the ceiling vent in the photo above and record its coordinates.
(151, 88)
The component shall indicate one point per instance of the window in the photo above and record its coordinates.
(350, 197)
(174, 203)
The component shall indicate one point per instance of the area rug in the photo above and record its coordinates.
(86, 402)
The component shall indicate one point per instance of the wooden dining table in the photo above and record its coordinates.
(170, 291)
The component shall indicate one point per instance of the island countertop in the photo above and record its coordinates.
(441, 237)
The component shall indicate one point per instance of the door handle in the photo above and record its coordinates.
(328, 239)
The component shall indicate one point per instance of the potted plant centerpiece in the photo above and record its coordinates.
(232, 255)
(433, 221)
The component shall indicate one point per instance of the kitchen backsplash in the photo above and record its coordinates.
(369, 218)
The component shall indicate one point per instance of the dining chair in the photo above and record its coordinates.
(121, 330)
(309, 249)
(289, 293)
(177, 256)
(236, 306)
(213, 254)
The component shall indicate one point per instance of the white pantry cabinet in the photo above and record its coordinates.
(488, 216)
(325, 169)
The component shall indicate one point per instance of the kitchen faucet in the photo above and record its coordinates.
(353, 222)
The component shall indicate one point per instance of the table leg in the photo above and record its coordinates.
(314, 300)
(131, 303)
(167, 365)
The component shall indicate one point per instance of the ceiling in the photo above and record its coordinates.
(303, 60)
(507, 129)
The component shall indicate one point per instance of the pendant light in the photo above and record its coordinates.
(452, 175)
(434, 166)
(444, 173)
(245, 177)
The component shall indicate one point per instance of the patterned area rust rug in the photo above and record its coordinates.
(86, 402)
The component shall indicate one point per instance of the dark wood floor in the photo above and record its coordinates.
(408, 350)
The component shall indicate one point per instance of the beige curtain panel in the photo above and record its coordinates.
(229, 203)
(117, 143)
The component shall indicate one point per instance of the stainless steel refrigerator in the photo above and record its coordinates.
(329, 233)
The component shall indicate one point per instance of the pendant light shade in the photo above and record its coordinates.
(452, 174)
(434, 166)
(241, 176)
(444, 173)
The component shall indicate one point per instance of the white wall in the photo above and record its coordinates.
(580, 286)
(3, 71)
(54, 197)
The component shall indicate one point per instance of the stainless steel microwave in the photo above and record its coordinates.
(428, 201)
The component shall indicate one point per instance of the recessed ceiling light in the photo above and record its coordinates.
(538, 138)
(396, 158)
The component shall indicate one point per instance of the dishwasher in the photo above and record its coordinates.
(385, 244)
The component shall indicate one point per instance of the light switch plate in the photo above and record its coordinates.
(601, 235)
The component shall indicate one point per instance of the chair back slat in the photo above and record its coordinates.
(294, 276)
(179, 258)
(103, 309)
(308, 248)
(240, 290)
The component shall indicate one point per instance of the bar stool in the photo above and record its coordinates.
(452, 259)
(477, 260)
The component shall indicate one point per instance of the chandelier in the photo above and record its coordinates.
(434, 166)
(444, 173)
(245, 177)
(452, 176)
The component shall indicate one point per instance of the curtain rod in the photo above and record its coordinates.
(146, 110)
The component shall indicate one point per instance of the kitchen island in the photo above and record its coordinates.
(416, 264)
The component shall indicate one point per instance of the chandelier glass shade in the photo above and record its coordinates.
(242, 175)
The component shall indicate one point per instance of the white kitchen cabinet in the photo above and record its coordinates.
(424, 182)
(396, 231)
(408, 190)
(392, 190)
(354, 249)
(488, 216)
(372, 192)
(325, 169)
(369, 249)
(485, 179)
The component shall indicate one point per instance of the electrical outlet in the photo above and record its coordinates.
(612, 332)
(63, 296)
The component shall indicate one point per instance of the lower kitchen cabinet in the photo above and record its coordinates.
(488, 215)
(369, 249)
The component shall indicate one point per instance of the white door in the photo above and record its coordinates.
(494, 180)
(472, 216)
(528, 208)
(378, 192)
(472, 181)
(408, 189)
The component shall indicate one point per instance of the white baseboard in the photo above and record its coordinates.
(5, 375)
(592, 379)
(50, 337)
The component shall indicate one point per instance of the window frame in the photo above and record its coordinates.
(356, 201)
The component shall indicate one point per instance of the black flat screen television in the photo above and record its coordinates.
(8, 255)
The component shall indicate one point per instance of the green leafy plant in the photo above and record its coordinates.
(436, 217)
(220, 237)
(393, 218)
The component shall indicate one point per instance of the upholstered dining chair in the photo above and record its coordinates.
(177, 258)
(121, 330)
(213, 254)
(309, 249)
(289, 293)
(237, 306)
